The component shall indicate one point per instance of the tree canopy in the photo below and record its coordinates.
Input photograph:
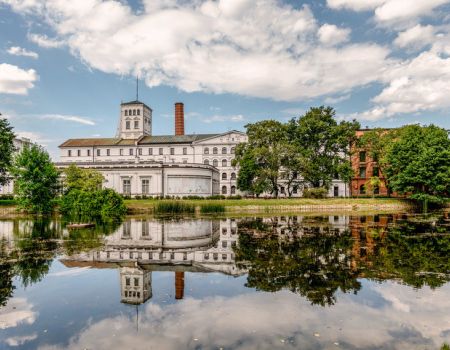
(6, 150)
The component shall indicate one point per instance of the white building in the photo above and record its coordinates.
(19, 144)
(138, 163)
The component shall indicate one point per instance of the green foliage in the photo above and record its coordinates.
(87, 205)
(212, 208)
(315, 192)
(6, 150)
(373, 183)
(174, 207)
(82, 179)
(418, 163)
(445, 346)
(36, 180)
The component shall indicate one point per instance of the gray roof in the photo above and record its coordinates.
(135, 102)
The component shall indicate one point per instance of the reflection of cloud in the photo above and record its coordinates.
(71, 272)
(17, 311)
(20, 340)
(267, 321)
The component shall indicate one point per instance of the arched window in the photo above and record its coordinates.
(233, 150)
(206, 162)
(126, 112)
(376, 190)
(206, 150)
(224, 189)
(233, 190)
(134, 112)
(215, 162)
(224, 176)
(362, 189)
(224, 162)
(224, 150)
(215, 150)
(233, 176)
(138, 112)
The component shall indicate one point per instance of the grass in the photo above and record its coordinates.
(173, 207)
(212, 208)
(7, 202)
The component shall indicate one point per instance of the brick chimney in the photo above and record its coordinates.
(179, 118)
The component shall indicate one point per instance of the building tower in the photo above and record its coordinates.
(135, 120)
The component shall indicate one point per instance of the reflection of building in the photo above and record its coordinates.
(140, 246)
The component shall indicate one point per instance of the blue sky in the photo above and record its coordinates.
(65, 66)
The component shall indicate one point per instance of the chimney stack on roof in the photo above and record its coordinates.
(179, 118)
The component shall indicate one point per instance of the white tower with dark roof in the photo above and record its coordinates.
(135, 120)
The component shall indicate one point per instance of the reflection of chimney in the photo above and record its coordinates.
(179, 118)
(179, 285)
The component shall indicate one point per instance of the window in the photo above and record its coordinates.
(336, 191)
(136, 124)
(127, 125)
(233, 149)
(215, 162)
(126, 186)
(140, 151)
(145, 186)
(121, 151)
(184, 150)
(362, 156)
(233, 176)
(130, 151)
(295, 190)
(224, 244)
(376, 190)
(78, 153)
(362, 172)
(362, 189)
(376, 172)
(224, 189)
(88, 152)
(127, 281)
(206, 150)
(224, 162)
(224, 176)
(69, 153)
(282, 190)
(126, 112)
(108, 153)
(145, 230)
(172, 151)
(224, 150)
(126, 229)
(215, 150)
(98, 152)
(206, 162)
(138, 112)
(136, 282)
(160, 151)
(233, 190)
(134, 112)
(150, 151)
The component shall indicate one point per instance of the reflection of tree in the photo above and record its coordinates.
(6, 275)
(416, 252)
(312, 265)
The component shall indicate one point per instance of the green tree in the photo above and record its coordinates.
(36, 180)
(262, 157)
(82, 179)
(6, 150)
(323, 144)
(418, 163)
(373, 183)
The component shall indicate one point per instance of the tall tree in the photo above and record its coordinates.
(82, 179)
(418, 163)
(262, 157)
(323, 144)
(6, 150)
(36, 180)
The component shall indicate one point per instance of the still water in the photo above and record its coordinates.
(291, 282)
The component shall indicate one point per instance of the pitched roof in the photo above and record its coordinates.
(146, 140)
(135, 102)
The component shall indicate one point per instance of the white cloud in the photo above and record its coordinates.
(355, 5)
(329, 34)
(263, 49)
(15, 80)
(337, 99)
(19, 51)
(20, 340)
(416, 37)
(68, 118)
(237, 118)
(16, 312)
(45, 41)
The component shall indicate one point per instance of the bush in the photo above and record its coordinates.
(317, 193)
(212, 208)
(174, 207)
(235, 197)
(217, 196)
(6, 197)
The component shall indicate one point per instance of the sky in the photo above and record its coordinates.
(65, 66)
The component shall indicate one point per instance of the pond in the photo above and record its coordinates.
(290, 282)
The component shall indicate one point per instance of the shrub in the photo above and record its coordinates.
(217, 196)
(235, 197)
(319, 192)
(174, 207)
(212, 208)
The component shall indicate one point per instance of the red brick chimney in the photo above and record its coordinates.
(179, 118)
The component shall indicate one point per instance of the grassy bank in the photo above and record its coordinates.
(274, 205)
